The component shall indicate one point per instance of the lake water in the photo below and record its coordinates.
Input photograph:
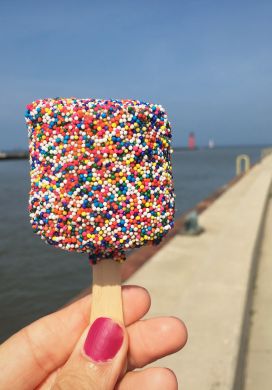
(35, 278)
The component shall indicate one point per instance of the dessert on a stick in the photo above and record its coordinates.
(101, 183)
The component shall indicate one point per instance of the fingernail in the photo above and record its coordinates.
(104, 340)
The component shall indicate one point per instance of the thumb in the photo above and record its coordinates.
(98, 359)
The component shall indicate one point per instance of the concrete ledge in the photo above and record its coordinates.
(258, 373)
(239, 379)
(206, 280)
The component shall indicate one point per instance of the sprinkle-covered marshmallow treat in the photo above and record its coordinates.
(101, 176)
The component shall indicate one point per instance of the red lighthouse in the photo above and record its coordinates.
(191, 141)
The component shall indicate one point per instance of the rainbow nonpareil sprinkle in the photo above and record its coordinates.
(101, 175)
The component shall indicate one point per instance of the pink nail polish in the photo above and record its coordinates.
(104, 340)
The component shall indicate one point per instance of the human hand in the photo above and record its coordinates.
(50, 353)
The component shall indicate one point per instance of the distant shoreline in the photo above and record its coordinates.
(13, 155)
(23, 154)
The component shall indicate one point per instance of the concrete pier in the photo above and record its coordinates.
(207, 280)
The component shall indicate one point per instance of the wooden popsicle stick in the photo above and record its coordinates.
(106, 291)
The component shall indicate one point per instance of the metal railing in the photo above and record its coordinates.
(242, 159)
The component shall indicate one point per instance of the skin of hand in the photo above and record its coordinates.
(62, 351)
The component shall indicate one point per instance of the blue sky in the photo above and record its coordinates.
(208, 62)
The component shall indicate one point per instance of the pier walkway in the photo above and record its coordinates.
(207, 280)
